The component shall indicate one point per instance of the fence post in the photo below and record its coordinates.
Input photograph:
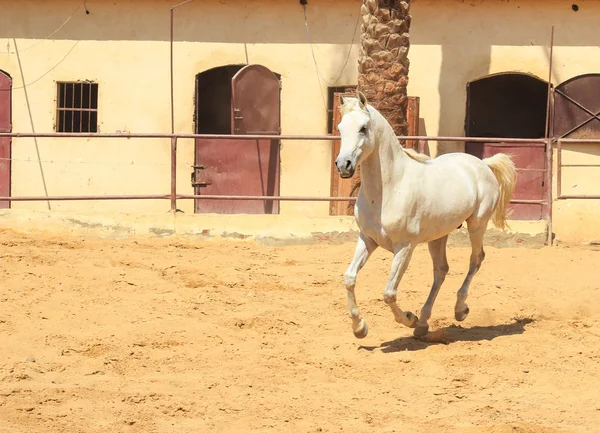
(174, 174)
(549, 158)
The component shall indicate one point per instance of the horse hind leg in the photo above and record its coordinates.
(437, 250)
(476, 230)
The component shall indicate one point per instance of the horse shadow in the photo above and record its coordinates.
(452, 334)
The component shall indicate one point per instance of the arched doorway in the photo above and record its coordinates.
(512, 105)
(577, 107)
(576, 115)
(237, 99)
(5, 142)
(213, 100)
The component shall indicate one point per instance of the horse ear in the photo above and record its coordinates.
(362, 99)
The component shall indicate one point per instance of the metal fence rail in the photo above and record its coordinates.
(255, 137)
(560, 165)
(173, 196)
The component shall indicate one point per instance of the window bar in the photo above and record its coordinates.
(80, 113)
(90, 106)
(94, 114)
(64, 117)
(58, 92)
(66, 105)
(72, 106)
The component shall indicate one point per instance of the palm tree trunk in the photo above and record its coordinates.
(383, 64)
(383, 59)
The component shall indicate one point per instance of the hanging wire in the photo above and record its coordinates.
(45, 73)
(313, 52)
(44, 39)
(318, 71)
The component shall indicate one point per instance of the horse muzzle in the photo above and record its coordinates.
(346, 174)
(345, 168)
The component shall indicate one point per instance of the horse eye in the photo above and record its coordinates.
(363, 130)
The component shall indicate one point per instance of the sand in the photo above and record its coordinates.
(177, 335)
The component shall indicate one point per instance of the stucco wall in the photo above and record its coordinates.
(454, 42)
(123, 45)
(576, 220)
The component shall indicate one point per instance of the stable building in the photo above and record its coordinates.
(478, 69)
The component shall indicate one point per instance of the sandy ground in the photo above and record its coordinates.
(165, 335)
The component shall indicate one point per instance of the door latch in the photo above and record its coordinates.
(196, 183)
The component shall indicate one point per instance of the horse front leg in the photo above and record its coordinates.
(364, 248)
(402, 257)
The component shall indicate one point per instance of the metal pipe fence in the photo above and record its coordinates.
(560, 165)
(173, 196)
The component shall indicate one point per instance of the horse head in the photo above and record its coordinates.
(356, 135)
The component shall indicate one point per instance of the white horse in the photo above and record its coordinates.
(406, 198)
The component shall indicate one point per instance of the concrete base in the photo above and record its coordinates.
(268, 229)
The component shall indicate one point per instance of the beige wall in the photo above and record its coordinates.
(123, 45)
(454, 42)
(576, 220)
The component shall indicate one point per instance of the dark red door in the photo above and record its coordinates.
(577, 108)
(530, 161)
(512, 105)
(5, 142)
(243, 167)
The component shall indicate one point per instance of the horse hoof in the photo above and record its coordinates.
(421, 331)
(412, 319)
(461, 315)
(362, 330)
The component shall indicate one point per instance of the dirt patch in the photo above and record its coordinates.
(185, 335)
(499, 239)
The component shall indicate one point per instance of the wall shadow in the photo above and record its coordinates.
(219, 21)
(452, 87)
(423, 145)
(456, 25)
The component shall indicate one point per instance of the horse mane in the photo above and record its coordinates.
(350, 104)
(413, 154)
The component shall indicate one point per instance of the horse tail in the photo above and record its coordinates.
(504, 170)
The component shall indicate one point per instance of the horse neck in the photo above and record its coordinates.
(385, 165)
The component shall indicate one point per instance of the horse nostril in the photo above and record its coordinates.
(348, 163)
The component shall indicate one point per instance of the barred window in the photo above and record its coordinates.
(77, 107)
